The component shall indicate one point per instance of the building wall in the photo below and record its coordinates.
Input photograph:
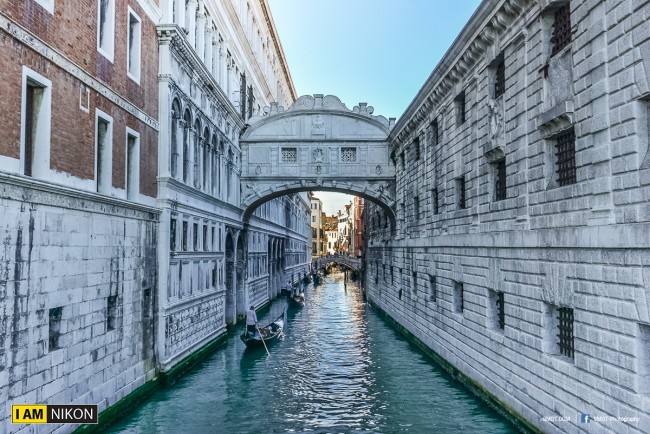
(79, 282)
(210, 52)
(580, 247)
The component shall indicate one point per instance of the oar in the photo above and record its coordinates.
(262, 337)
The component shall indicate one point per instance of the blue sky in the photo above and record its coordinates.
(374, 51)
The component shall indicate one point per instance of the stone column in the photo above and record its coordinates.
(190, 14)
(208, 47)
(180, 126)
(164, 66)
(180, 13)
(199, 47)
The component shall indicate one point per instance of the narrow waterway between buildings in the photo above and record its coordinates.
(340, 368)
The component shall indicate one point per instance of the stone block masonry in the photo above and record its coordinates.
(521, 252)
(77, 282)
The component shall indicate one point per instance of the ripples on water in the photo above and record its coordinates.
(340, 368)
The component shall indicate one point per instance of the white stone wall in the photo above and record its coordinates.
(582, 246)
(68, 249)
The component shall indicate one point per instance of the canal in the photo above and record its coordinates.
(340, 368)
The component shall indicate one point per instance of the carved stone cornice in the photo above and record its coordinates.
(488, 24)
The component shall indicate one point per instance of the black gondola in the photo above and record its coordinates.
(297, 300)
(316, 278)
(270, 333)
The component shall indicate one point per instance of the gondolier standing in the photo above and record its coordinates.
(251, 320)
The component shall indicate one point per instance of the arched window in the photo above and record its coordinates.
(174, 146)
(187, 118)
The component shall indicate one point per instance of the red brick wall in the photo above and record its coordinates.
(73, 130)
(73, 31)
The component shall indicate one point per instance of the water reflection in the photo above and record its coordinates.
(339, 368)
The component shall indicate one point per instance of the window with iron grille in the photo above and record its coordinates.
(185, 236)
(566, 158)
(501, 310)
(561, 36)
(500, 179)
(55, 327)
(460, 192)
(195, 237)
(414, 281)
(289, 155)
(459, 297)
(461, 108)
(500, 79)
(434, 139)
(205, 238)
(242, 95)
(434, 201)
(172, 234)
(251, 101)
(401, 156)
(416, 208)
(433, 293)
(349, 155)
(416, 145)
(565, 336)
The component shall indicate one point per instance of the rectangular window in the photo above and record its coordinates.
(36, 124)
(214, 240)
(348, 155)
(460, 193)
(289, 155)
(185, 235)
(134, 47)
(401, 156)
(146, 303)
(55, 327)
(561, 36)
(500, 78)
(416, 208)
(414, 281)
(111, 312)
(435, 204)
(461, 115)
(433, 133)
(172, 234)
(566, 158)
(433, 291)
(242, 95)
(565, 328)
(416, 146)
(501, 310)
(106, 28)
(205, 238)
(195, 237)
(132, 165)
(500, 179)
(459, 297)
(103, 152)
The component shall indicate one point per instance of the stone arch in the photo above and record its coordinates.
(252, 202)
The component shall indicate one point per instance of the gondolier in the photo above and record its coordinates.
(251, 320)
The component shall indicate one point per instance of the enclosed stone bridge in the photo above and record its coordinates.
(352, 263)
(317, 144)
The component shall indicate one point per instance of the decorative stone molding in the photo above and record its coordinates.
(556, 120)
(484, 30)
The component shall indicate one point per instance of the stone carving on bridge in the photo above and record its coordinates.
(280, 155)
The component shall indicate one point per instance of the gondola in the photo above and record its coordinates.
(316, 278)
(297, 300)
(271, 333)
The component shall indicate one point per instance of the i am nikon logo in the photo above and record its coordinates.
(84, 413)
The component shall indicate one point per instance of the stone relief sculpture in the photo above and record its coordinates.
(496, 119)
(319, 155)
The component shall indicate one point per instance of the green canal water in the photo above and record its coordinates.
(340, 368)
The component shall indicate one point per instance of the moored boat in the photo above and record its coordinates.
(264, 335)
(297, 300)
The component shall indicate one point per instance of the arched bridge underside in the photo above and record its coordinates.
(352, 263)
(317, 144)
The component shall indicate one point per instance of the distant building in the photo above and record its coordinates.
(317, 218)
(344, 229)
(356, 237)
(330, 228)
